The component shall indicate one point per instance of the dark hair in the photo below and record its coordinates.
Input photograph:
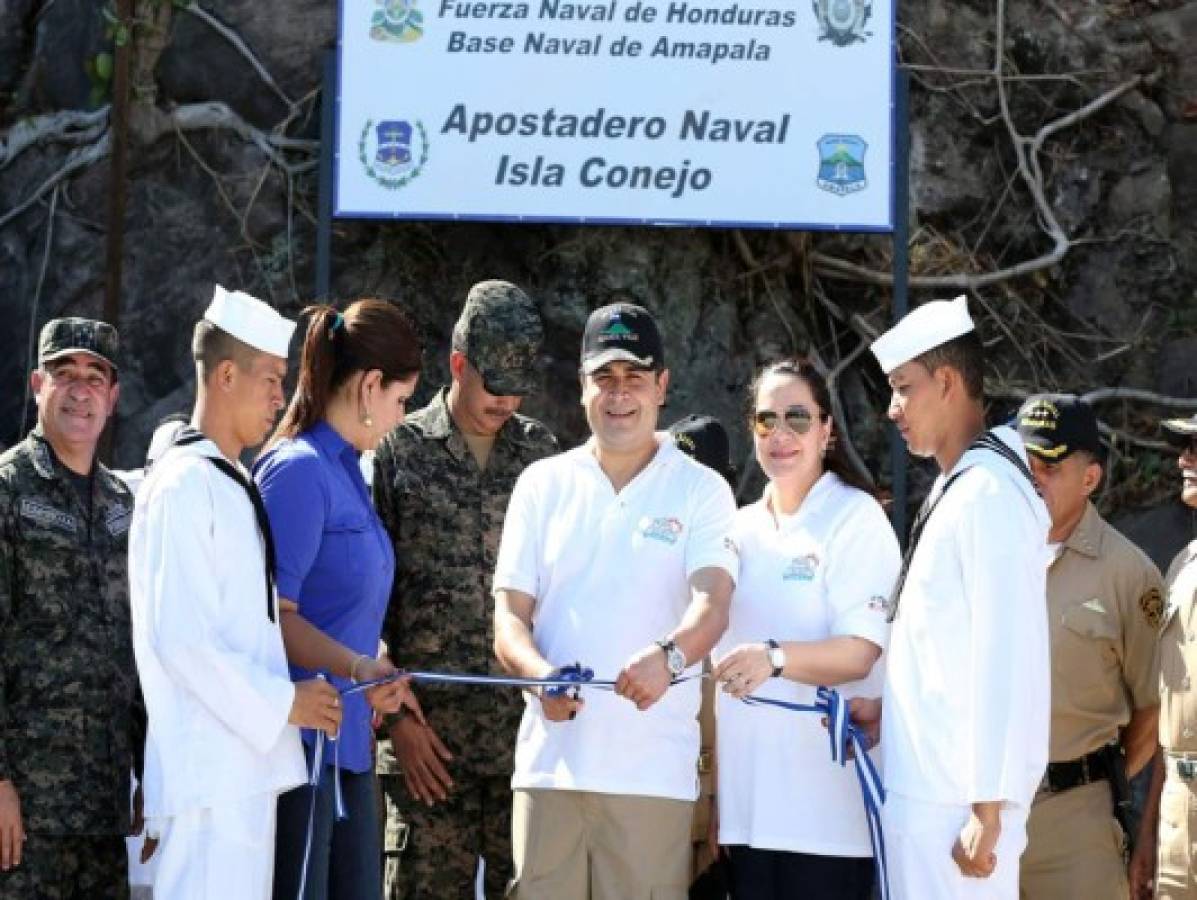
(836, 460)
(965, 354)
(370, 334)
(211, 345)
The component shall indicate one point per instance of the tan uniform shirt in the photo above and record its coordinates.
(1105, 606)
(1178, 656)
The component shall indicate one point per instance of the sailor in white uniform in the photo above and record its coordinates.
(966, 706)
(222, 740)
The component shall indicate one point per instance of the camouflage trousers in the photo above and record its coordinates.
(431, 853)
(57, 867)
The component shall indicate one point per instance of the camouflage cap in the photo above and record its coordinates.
(61, 337)
(500, 332)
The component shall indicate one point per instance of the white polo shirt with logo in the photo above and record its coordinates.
(610, 574)
(826, 571)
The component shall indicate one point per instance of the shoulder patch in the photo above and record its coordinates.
(45, 516)
(1152, 605)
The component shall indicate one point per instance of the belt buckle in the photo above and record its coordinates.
(1186, 769)
(704, 761)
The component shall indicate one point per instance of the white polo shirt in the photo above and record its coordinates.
(610, 574)
(825, 571)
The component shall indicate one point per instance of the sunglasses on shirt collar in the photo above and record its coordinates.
(798, 419)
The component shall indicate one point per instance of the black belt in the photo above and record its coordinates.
(1063, 776)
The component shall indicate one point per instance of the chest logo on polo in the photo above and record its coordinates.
(44, 516)
(801, 568)
(665, 529)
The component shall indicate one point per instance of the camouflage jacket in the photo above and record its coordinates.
(445, 516)
(69, 705)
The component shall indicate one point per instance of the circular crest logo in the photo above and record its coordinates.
(843, 21)
(393, 152)
(396, 21)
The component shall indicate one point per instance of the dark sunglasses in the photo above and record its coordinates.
(798, 419)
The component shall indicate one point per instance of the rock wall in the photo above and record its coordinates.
(1117, 172)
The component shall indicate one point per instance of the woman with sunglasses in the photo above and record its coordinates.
(818, 559)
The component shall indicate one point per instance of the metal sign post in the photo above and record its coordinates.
(898, 456)
(328, 149)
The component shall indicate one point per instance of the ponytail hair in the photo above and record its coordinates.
(836, 460)
(369, 334)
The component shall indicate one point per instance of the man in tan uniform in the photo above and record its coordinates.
(1104, 606)
(1176, 873)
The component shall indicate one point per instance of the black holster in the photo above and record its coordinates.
(1120, 791)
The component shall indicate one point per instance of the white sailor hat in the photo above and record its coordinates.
(922, 329)
(250, 321)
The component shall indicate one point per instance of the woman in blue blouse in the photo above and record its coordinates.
(334, 567)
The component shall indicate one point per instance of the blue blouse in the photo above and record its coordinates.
(334, 557)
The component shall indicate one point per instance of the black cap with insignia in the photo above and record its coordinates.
(621, 332)
(1054, 426)
(705, 439)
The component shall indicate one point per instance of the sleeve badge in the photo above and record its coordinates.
(1152, 605)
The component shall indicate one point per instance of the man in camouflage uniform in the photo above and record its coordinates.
(68, 689)
(441, 485)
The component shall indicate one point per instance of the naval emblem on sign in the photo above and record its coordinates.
(396, 21)
(841, 164)
(388, 151)
(843, 21)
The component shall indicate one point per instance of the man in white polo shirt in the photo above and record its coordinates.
(616, 555)
(964, 725)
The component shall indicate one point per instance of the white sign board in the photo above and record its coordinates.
(765, 114)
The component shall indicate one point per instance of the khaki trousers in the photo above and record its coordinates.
(1176, 875)
(581, 845)
(1074, 847)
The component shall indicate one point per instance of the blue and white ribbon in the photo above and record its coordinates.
(843, 734)
(563, 680)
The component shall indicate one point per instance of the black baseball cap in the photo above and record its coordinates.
(621, 332)
(705, 439)
(1054, 426)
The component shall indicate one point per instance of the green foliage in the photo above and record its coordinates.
(99, 74)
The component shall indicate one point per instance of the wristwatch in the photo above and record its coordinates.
(675, 659)
(777, 658)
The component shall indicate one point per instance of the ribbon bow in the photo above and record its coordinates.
(848, 742)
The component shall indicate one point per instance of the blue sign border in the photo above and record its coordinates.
(407, 215)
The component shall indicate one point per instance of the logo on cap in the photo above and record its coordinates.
(388, 151)
(619, 331)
